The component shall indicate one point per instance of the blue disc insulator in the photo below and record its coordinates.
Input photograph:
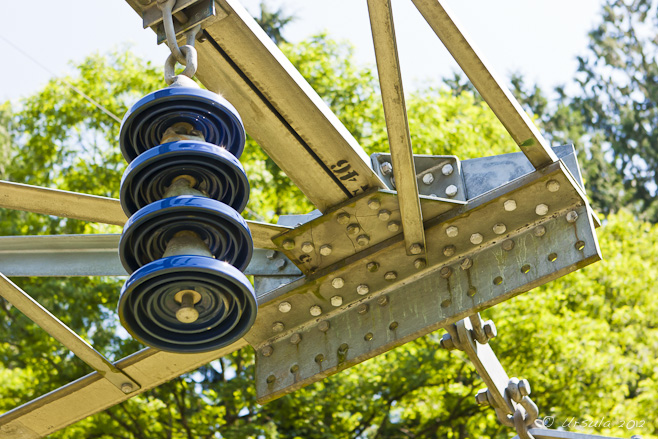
(147, 232)
(226, 308)
(217, 173)
(146, 122)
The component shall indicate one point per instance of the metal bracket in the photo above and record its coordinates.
(187, 14)
(380, 298)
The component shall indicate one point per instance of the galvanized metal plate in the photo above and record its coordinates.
(352, 227)
(437, 176)
(307, 323)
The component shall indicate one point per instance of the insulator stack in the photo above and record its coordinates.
(185, 243)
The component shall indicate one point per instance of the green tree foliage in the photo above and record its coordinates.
(587, 342)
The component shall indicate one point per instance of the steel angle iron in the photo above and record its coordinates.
(185, 243)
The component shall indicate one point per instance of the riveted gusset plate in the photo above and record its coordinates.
(352, 227)
(335, 328)
(436, 175)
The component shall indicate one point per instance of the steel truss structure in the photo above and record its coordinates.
(384, 255)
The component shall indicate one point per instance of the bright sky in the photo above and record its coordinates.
(538, 38)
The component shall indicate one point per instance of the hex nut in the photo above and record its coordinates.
(308, 247)
(541, 209)
(390, 275)
(353, 229)
(384, 215)
(489, 329)
(362, 309)
(507, 245)
(362, 289)
(476, 238)
(447, 169)
(393, 226)
(452, 231)
(374, 203)
(449, 250)
(446, 272)
(337, 282)
(270, 254)
(285, 307)
(510, 205)
(363, 240)
(415, 249)
(336, 300)
(296, 338)
(482, 399)
(343, 218)
(499, 228)
(539, 231)
(267, 351)
(325, 250)
(315, 310)
(280, 264)
(420, 263)
(372, 266)
(428, 178)
(451, 191)
(466, 264)
(553, 185)
(447, 343)
(278, 326)
(126, 387)
(382, 300)
(288, 244)
(324, 326)
(386, 168)
(572, 216)
(524, 387)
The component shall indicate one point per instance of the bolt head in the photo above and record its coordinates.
(447, 169)
(428, 178)
(553, 185)
(451, 190)
(510, 205)
(337, 282)
(336, 301)
(572, 216)
(382, 300)
(308, 247)
(353, 229)
(324, 326)
(507, 245)
(278, 327)
(343, 218)
(393, 181)
(476, 238)
(386, 168)
(390, 275)
(490, 329)
(296, 338)
(446, 272)
(374, 203)
(447, 343)
(372, 266)
(270, 254)
(466, 264)
(362, 289)
(452, 231)
(481, 398)
(499, 228)
(288, 244)
(315, 310)
(524, 387)
(420, 263)
(285, 307)
(267, 351)
(541, 209)
(415, 249)
(362, 309)
(126, 387)
(449, 250)
(393, 226)
(280, 264)
(539, 231)
(384, 215)
(325, 250)
(363, 240)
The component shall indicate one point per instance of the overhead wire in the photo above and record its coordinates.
(64, 81)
